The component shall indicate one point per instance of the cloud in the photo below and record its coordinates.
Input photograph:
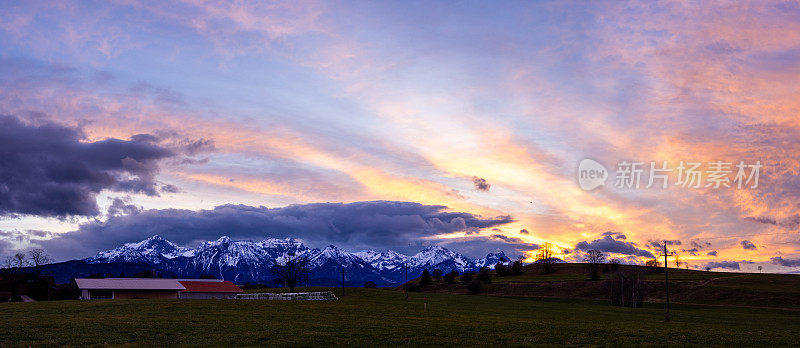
(777, 260)
(789, 222)
(712, 253)
(616, 235)
(692, 251)
(479, 246)
(747, 245)
(524, 231)
(480, 184)
(609, 244)
(46, 169)
(120, 206)
(723, 264)
(354, 226)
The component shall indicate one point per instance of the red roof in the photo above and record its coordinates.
(209, 286)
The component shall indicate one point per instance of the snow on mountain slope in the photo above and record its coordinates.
(154, 250)
(438, 257)
(387, 260)
(248, 261)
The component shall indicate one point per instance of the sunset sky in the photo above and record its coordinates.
(397, 125)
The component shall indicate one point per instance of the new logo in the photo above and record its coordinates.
(591, 174)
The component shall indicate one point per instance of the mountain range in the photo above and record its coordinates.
(244, 261)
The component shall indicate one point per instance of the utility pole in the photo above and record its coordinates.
(406, 269)
(342, 280)
(666, 279)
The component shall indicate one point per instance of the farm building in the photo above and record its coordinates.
(208, 289)
(155, 288)
(125, 288)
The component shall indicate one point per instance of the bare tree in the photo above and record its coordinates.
(291, 272)
(677, 259)
(39, 259)
(20, 260)
(545, 257)
(7, 264)
(593, 260)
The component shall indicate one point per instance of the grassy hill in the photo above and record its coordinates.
(686, 286)
(367, 317)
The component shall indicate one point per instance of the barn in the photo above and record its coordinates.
(208, 289)
(128, 288)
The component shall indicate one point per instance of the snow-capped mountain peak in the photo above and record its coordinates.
(154, 249)
(245, 261)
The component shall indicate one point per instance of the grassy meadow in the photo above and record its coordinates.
(367, 317)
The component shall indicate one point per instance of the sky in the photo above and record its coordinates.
(397, 125)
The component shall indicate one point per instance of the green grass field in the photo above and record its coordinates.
(366, 317)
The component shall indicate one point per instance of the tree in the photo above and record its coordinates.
(20, 260)
(627, 289)
(370, 284)
(437, 274)
(475, 286)
(593, 260)
(545, 258)
(425, 279)
(291, 272)
(484, 276)
(39, 259)
(614, 263)
(677, 259)
(653, 265)
(411, 287)
(450, 277)
(8, 264)
(501, 268)
(467, 277)
(516, 266)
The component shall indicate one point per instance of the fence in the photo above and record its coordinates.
(309, 296)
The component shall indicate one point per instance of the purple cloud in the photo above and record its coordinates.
(358, 225)
(611, 245)
(47, 169)
(777, 260)
(723, 264)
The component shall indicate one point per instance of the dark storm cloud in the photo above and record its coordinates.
(47, 170)
(723, 264)
(481, 184)
(747, 245)
(777, 260)
(611, 245)
(353, 226)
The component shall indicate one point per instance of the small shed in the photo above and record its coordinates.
(128, 288)
(208, 289)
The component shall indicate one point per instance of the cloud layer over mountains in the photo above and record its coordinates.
(355, 226)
